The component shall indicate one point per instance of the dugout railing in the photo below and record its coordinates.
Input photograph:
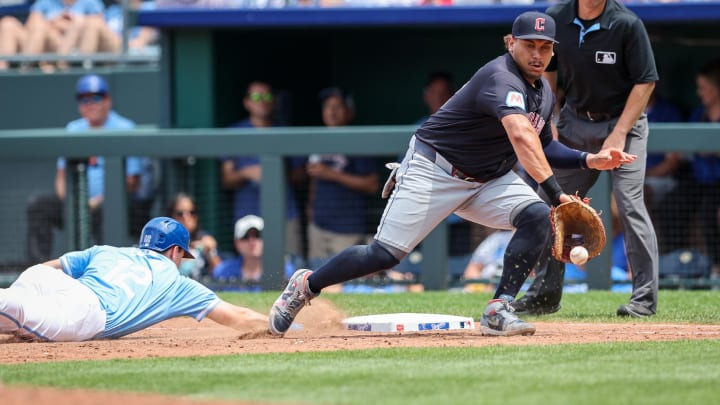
(272, 145)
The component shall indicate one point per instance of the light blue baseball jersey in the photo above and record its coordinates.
(114, 18)
(137, 288)
(134, 165)
(51, 9)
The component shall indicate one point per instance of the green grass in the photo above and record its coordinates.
(612, 373)
(700, 306)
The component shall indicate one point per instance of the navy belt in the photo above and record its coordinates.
(432, 155)
(592, 116)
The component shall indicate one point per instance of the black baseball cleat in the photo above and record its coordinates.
(634, 311)
(531, 306)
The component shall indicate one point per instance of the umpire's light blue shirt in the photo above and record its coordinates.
(137, 288)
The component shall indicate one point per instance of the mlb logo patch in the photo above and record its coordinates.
(605, 58)
(515, 99)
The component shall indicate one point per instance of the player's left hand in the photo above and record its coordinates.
(609, 158)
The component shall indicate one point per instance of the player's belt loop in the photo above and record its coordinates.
(432, 155)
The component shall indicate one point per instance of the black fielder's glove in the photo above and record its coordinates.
(576, 223)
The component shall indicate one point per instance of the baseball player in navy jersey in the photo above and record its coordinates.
(460, 161)
(605, 66)
(109, 292)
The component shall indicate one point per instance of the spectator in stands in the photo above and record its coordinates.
(486, 261)
(663, 170)
(437, 90)
(243, 174)
(95, 106)
(706, 166)
(203, 246)
(106, 34)
(55, 26)
(12, 38)
(338, 189)
(698, 199)
(217, 3)
(662, 167)
(247, 266)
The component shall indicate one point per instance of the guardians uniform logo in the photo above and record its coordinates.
(536, 121)
(515, 99)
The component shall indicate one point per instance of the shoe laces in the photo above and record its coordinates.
(298, 298)
(504, 304)
(509, 311)
(298, 302)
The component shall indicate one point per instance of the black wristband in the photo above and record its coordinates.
(583, 160)
(551, 187)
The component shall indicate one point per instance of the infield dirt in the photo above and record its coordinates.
(322, 331)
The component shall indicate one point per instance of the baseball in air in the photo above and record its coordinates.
(578, 255)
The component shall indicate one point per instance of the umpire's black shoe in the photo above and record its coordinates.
(634, 311)
(533, 306)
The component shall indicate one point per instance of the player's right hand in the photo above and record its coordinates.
(565, 198)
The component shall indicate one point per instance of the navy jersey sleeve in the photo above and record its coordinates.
(546, 135)
(507, 94)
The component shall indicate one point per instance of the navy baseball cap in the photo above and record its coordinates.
(91, 84)
(534, 25)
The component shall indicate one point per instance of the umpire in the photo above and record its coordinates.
(604, 65)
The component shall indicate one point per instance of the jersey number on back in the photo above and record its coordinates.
(129, 277)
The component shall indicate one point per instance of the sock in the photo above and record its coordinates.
(353, 262)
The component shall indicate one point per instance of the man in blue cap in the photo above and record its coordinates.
(95, 107)
(107, 292)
